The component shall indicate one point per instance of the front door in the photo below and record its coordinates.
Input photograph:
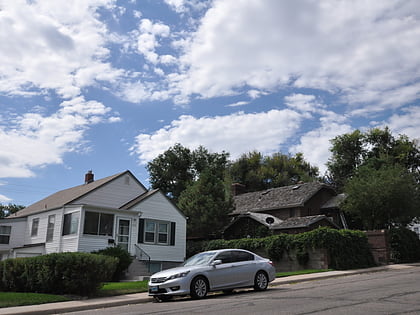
(123, 236)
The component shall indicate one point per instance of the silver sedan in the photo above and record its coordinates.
(217, 270)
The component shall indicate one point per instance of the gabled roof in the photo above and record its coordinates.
(302, 222)
(262, 218)
(277, 198)
(146, 195)
(138, 199)
(64, 197)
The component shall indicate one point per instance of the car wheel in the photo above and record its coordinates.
(260, 281)
(199, 288)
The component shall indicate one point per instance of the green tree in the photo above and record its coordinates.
(171, 171)
(377, 147)
(178, 167)
(206, 206)
(258, 172)
(381, 197)
(9, 209)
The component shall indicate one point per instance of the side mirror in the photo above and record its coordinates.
(216, 262)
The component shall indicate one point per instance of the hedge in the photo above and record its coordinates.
(347, 249)
(405, 245)
(124, 259)
(58, 273)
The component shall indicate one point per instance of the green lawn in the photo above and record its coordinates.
(8, 299)
(300, 272)
(118, 288)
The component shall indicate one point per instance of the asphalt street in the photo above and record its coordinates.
(365, 291)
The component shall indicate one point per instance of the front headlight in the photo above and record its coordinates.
(178, 275)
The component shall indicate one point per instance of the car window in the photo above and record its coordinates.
(242, 256)
(199, 259)
(225, 257)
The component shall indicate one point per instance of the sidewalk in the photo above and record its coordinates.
(79, 305)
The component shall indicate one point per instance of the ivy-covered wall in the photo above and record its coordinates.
(342, 249)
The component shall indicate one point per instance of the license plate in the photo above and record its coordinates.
(154, 289)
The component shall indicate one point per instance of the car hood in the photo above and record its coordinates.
(172, 271)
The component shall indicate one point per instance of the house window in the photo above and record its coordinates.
(98, 223)
(50, 228)
(5, 231)
(71, 223)
(35, 224)
(149, 232)
(156, 232)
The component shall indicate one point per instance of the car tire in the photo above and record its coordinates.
(199, 288)
(260, 281)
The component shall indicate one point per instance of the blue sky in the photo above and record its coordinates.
(108, 85)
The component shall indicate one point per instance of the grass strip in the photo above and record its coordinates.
(8, 299)
(118, 288)
(300, 272)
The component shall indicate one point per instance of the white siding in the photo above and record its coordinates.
(17, 234)
(114, 194)
(158, 207)
(42, 228)
(70, 243)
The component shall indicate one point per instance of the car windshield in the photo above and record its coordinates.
(199, 259)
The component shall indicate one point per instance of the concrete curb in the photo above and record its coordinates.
(80, 305)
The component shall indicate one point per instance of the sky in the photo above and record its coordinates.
(107, 85)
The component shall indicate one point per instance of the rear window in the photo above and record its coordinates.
(242, 256)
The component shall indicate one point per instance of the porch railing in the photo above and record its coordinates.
(142, 256)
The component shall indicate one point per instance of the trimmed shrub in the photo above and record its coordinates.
(58, 273)
(405, 245)
(124, 259)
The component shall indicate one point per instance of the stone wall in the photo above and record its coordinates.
(318, 259)
(379, 244)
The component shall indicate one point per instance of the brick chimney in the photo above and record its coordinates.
(238, 189)
(89, 177)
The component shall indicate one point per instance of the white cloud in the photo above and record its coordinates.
(407, 123)
(315, 144)
(363, 52)
(303, 103)
(237, 104)
(3, 198)
(147, 40)
(237, 133)
(61, 39)
(33, 140)
(183, 6)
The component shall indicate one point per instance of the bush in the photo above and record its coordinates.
(405, 245)
(124, 259)
(347, 249)
(63, 273)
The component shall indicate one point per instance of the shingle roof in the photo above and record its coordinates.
(301, 222)
(277, 198)
(334, 202)
(64, 197)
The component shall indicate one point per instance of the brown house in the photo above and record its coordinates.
(289, 209)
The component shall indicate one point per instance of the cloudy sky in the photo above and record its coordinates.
(107, 85)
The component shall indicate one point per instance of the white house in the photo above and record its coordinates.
(116, 210)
